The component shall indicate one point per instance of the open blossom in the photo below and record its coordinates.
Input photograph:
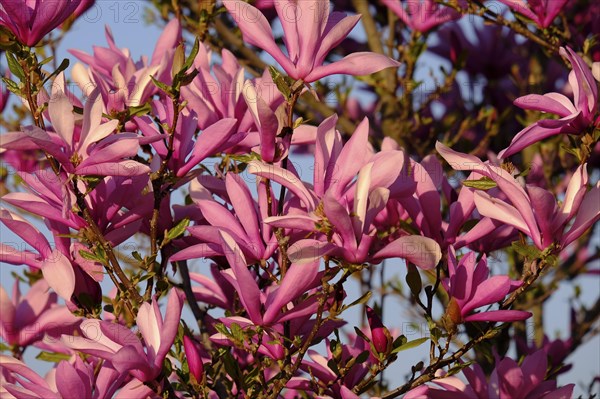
(26, 318)
(74, 378)
(121, 81)
(123, 348)
(351, 187)
(575, 116)
(542, 12)
(55, 266)
(310, 33)
(470, 287)
(421, 15)
(92, 150)
(508, 380)
(30, 21)
(533, 210)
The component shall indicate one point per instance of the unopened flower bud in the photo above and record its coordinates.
(193, 358)
(380, 335)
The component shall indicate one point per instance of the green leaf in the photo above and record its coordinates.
(12, 86)
(485, 183)
(52, 357)
(161, 85)
(413, 279)
(178, 230)
(14, 66)
(410, 344)
(90, 256)
(362, 357)
(362, 300)
(456, 369)
(237, 332)
(528, 251)
(62, 67)
(190, 59)
(280, 82)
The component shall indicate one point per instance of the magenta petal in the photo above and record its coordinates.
(208, 143)
(296, 281)
(257, 31)
(248, 289)
(526, 137)
(70, 383)
(170, 325)
(500, 315)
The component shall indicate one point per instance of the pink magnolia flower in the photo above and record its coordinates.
(575, 117)
(56, 267)
(542, 12)
(192, 355)
(533, 210)
(351, 187)
(187, 151)
(310, 33)
(121, 81)
(121, 346)
(90, 151)
(470, 287)
(30, 21)
(71, 379)
(243, 222)
(266, 309)
(26, 319)
(508, 380)
(421, 15)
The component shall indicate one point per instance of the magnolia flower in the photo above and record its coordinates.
(310, 33)
(266, 309)
(120, 346)
(25, 319)
(341, 206)
(93, 150)
(30, 21)
(508, 380)
(470, 287)
(71, 379)
(575, 117)
(121, 81)
(56, 267)
(187, 151)
(422, 15)
(542, 12)
(533, 210)
(244, 223)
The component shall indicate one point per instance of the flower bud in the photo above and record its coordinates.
(193, 358)
(380, 335)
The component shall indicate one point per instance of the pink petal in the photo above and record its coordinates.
(248, 289)
(58, 273)
(500, 315)
(422, 251)
(355, 64)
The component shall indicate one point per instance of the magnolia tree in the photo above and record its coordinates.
(288, 193)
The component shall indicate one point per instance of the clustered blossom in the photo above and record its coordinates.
(192, 158)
